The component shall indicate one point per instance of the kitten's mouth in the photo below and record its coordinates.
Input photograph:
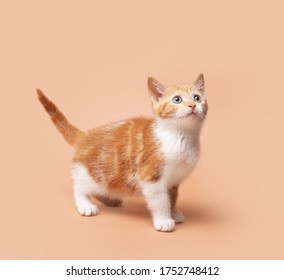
(190, 114)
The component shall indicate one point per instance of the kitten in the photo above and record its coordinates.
(139, 155)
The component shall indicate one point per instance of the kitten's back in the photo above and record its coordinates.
(120, 154)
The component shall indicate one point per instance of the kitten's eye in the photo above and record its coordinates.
(177, 99)
(197, 98)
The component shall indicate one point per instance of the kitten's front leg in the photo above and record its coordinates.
(176, 214)
(159, 203)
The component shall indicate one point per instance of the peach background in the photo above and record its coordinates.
(93, 58)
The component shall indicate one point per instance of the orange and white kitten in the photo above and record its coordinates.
(139, 155)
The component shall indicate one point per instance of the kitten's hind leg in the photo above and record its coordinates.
(84, 205)
(111, 202)
(84, 187)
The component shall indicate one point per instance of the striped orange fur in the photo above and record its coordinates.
(126, 149)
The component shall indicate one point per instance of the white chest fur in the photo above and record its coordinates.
(180, 147)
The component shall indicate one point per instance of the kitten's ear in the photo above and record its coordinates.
(199, 84)
(155, 88)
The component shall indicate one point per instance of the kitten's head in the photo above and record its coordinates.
(183, 104)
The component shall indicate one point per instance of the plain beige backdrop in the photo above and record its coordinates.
(93, 59)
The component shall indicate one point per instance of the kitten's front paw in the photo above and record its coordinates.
(164, 224)
(88, 210)
(178, 216)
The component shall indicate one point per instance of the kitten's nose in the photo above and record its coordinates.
(191, 105)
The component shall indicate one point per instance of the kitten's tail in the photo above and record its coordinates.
(70, 133)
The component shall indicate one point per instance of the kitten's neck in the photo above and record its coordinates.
(187, 128)
(178, 142)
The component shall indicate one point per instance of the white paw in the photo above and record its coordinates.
(164, 224)
(88, 209)
(178, 216)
